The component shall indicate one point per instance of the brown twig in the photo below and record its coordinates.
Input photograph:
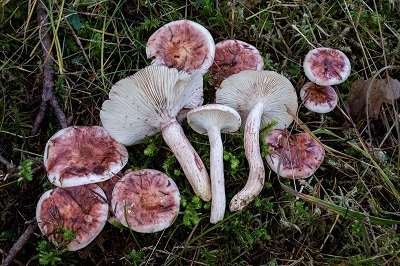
(48, 95)
(19, 244)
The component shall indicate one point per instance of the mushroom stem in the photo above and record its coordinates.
(255, 181)
(218, 201)
(188, 158)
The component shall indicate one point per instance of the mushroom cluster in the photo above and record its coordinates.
(157, 99)
(75, 158)
(324, 67)
(84, 164)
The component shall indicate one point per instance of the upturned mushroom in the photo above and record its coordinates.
(146, 201)
(80, 155)
(81, 210)
(319, 99)
(182, 44)
(294, 156)
(148, 102)
(214, 119)
(326, 66)
(233, 56)
(261, 97)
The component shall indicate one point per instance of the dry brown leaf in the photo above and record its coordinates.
(380, 91)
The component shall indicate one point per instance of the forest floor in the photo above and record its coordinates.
(348, 211)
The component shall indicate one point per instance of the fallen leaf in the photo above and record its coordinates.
(380, 91)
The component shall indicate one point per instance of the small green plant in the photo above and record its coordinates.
(135, 257)
(25, 170)
(191, 216)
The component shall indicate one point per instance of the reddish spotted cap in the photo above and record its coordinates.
(81, 210)
(319, 99)
(326, 66)
(80, 155)
(146, 201)
(182, 44)
(294, 156)
(233, 56)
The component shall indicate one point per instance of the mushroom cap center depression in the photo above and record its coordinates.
(328, 64)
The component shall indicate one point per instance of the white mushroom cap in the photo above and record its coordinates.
(182, 44)
(140, 104)
(294, 156)
(146, 201)
(233, 56)
(221, 116)
(212, 119)
(81, 209)
(260, 97)
(319, 99)
(80, 155)
(326, 66)
(242, 91)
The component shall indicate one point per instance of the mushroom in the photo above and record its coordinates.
(233, 56)
(326, 66)
(148, 102)
(182, 44)
(80, 155)
(212, 119)
(80, 209)
(261, 97)
(294, 156)
(146, 201)
(319, 99)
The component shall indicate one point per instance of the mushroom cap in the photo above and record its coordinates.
(224, 117)
(297, 155)
(182, 44)
(233, 56)
(80, 155)
(146, 201)
(242, 91)
(319, 99)
(140, 104)
(81, 209)
(326, 66)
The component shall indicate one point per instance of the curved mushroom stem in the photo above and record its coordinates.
(255, 181)
(218, 201)
(188, 158)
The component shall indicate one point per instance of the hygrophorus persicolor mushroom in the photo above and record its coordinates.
(233, 56)
(294, 156)
(182, 44)
(146, 201)
(326, 66)
(148, 102)
(80, 155)
(81, 210)
(261, 97)
(319, 99)
(212, 119)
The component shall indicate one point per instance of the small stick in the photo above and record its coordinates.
(20, 243)
(48, 96)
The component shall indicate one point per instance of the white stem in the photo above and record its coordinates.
(188, 158)
(255, 181)
(218, 200)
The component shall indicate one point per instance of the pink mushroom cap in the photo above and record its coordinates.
(319, 99)
(233, 56)
(294, 156)
(80, 155)
(326, 66)
(81, 209)
(146, 201)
